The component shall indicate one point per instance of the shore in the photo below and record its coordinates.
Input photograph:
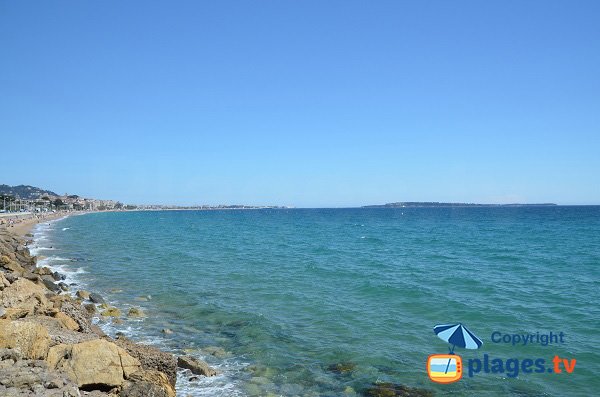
(49, 345)
(22, 223)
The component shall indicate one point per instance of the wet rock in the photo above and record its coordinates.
(96, 298)
(90, 308)
(396, 390)
(83, 294)
(63, 286)
(49, 283)
(151, 358)
(146, 383)
(135, 312)
(197, 367)
(216, 351)
(166, 331)
(111, 312)
(342, 368)
(58, 277)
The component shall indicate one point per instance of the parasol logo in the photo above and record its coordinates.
(448, 368)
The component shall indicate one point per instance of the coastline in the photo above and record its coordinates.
(46, 326)
(22, 224)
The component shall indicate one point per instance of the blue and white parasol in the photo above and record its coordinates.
(457, 335)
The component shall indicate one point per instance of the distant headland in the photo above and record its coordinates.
(408, 204)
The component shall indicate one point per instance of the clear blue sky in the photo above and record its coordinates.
(305, 103)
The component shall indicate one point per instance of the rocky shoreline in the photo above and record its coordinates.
(50, 348)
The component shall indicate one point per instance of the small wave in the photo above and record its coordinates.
(65, 228)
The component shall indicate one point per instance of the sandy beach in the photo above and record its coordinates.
(21, 224)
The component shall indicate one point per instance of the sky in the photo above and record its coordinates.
(302, 103)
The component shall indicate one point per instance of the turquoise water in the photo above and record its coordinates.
(287, 294)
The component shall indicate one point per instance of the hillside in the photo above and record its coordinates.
(25, 192)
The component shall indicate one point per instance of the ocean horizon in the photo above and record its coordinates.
(329, 302)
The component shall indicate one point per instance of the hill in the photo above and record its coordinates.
(25, 192)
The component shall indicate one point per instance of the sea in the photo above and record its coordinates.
(338, 302)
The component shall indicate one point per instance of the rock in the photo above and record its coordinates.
(97, 364)
(14, 313)
(11, 265)
(30, 339)
(3, 281)
(135, 312)
(49, 283)
(77, 313)
(23, 294)
(67, 321)
(90, 308)
(63, 286)
(111, 312)
(216, 351)
(341, 368)
(32, 378)
(147, 383)
(395, 390)
(31, 277)
(197, 367)
(151, 358)
(117, 321)
(166, 331)
(96, 298)
(83, 294)
(58, 277)
(43, 271)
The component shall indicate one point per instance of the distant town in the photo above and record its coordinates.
(25, 198)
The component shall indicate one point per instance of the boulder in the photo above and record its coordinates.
(49, 283)
(151, 358)
(11, 265)
(135, 312)
(94, 364)
(30, 339)
(197, 367)
(83, 294)
(23, 294)
(43, 271)
(147, 383)
(96, 298)
(32, 378)
(67, 321)
(111, 312)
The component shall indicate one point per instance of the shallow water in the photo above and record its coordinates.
(289, 293)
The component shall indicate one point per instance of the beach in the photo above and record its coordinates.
(22, 223)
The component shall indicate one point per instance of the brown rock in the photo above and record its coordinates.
(67, 321)
(197, 367)
(30, 339)
(151, 358)
(146, 383)
(83, 294)
(23, 294)
(95, 363)
(43, 271)
(111, 312)
(135, 312)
